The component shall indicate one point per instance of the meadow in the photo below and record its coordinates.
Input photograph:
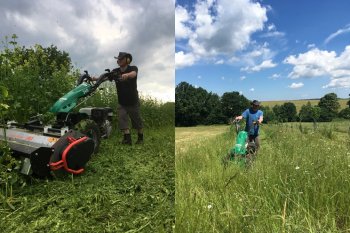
(124, 188)
(299, 103)
(298, 183)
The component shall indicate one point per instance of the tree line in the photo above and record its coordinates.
(196, 106)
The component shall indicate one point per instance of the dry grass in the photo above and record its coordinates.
(185, 136)
(299, 103)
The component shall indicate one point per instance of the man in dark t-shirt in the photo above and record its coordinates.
(125, 77)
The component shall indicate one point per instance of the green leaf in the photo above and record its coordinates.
(5, 106)
(4, 91)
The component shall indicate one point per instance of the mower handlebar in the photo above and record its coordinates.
(108, 75)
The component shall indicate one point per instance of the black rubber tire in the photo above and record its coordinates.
(90, 129)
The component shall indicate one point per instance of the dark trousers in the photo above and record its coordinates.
(255, 138)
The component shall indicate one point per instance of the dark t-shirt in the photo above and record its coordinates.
(127, 90)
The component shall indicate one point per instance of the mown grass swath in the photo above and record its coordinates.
(123, 189)
(299, 183)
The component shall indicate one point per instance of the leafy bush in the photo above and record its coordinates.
(345, 113)
(36, 77)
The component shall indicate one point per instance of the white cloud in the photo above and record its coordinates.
(310, 46)
(296, 85)
(346, 29)
(242, 77)
(271, 27)
(275, 76)
(219, 62)
(339, 83)
(199, 77)
(212, 31)
(264, 65)
(273, 34)
(319, 63)
(257, 54)
(252, 89)
(183, 60)
(222, 78)
(93, 32)
(182, 31)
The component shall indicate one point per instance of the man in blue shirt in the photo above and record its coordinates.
(253, 117)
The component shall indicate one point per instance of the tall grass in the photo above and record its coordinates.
(153, 112)
(299, 183)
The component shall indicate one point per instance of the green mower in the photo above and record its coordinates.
(67, 144)
(244, 151)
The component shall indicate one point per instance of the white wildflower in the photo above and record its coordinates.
(297, 168)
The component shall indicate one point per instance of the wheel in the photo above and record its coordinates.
(90, 129)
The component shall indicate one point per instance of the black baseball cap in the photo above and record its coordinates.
(121, 55)
(255, 102)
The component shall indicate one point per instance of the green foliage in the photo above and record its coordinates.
(345, 113)
(233, 104)
(269, 114)
(309, 113)
(47, 118)
(9, 173)
(329, 106)
(285, 112)
(36, 77)
(3, 106)
(157, 114)
(195, 106)
(289, 111)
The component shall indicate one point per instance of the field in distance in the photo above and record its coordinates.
(299, 103)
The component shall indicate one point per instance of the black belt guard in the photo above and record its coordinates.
(70, 154)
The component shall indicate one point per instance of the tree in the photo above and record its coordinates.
(233, 104)
(309, 113)
(278, 111)
(195, 106)
(286, 112)
(215, 116)
(329, 106)
(305, 113)
(269, 114)
(289, 111)
(345, 113)
(36, 77)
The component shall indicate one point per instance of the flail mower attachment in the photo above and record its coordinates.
(67, 144)
(243, 151)
(41, 154)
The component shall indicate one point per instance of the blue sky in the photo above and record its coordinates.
(267, 50)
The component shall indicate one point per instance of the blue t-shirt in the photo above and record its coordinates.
(250, 115)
